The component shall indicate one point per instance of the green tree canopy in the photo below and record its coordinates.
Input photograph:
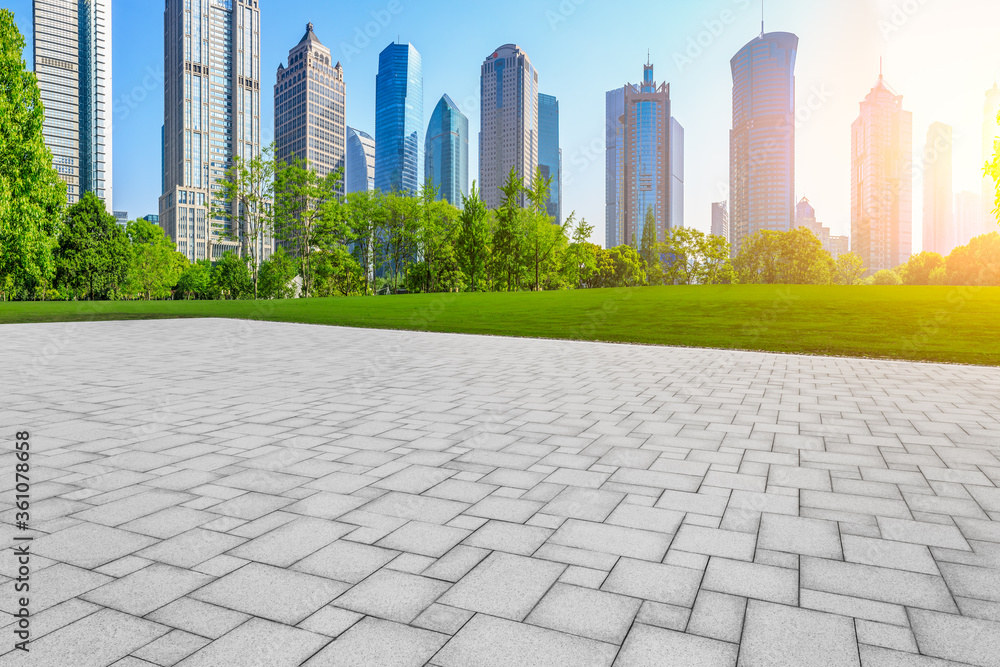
(155, 266)
(94, 253)
(918, 270)
(977, 263)
(794, 257)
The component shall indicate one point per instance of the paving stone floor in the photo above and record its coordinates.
(211, 493)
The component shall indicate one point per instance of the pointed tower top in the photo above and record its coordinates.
(762, 18)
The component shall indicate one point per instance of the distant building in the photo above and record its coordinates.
(839, 245)
(939, 232)
(155, 219)
(968, 217)
(614, 110)
(359, 162)
(991, 132)
(762, 141)
(882, 180)
(446, 158)
(549, 153)
(649, 162)
(309, 108)
(720, 220)
(508, 136)
(121, 217)
(399, 120)
(805, 216)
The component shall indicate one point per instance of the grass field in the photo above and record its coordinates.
(948, 324)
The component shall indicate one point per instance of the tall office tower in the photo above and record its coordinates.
(309, 108)
(991, 132)
(939, 233)
(508, 136)
(399, 120)
(839, 245)
(614, 109)
(968, 217)
(72, 55)
(720, 219)
(211, 115)
(359, 163)
(762, 141)
(882, 180)
(447, 154)
(549, 153)
(649, 162)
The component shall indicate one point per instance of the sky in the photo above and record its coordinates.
(940, 55)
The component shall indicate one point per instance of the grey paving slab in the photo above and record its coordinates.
(480, 501)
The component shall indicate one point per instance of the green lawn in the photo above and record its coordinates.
(919, 323)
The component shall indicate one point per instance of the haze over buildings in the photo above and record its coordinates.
(939, 233)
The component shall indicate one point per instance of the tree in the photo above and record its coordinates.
(581, 255)
(992, 169)
(247, 196)
(918, 269)
(277, 274)
(976, 264)
(232, 279)
(337, 273)
(156, 266)
(94, 254)
(795, 257)
(649, 249)
(365, 216)
(849, 269)
(885, 277)
(32, 196)
(508, 233)
(473, 242)
(544, 241)
(627, 268)
(196, 281)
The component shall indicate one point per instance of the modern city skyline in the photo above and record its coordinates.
(211, 115)
(73, 63)
(359, 162)
(550, 153)
(508, 137)
(309, 107)
(447, 152)
(399, 119)
(939, 233)
(882, 180)
(648, 174)
(720, 219)
(762, 139)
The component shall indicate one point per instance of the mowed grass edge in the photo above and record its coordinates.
(942, 324)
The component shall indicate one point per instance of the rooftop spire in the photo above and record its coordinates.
(762, 18)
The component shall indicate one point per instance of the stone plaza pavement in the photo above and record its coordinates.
(214, 493)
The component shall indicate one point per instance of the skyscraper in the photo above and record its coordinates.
(447, 154)
(939, 232)
(649, 164)
(549, 153)
(762, 141)
(508, 136)
(991, 132)
(968, 217)
(720, 219)
(881, 180)
(399, 119)
(72, 56)
(805, 216)
(309, 107)
(211, 115)
(614, 109)
(359, 163)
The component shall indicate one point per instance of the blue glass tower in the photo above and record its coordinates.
(399, 119)
(549, 153)
(447, 156)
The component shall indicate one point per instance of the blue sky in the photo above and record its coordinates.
(941, 56)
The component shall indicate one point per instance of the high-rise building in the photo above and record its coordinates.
(939, 233)
(121, 217)
(309, 108)
(508, 136)
(882, 180)
(211, 115)
(720, 219)
(72, 56)
(762, 141)
(991, 132)
(649, 165)
(968, 217)
(153, 218)
(359, 163)
(399, 120)
(614, 109)
(805, 216)
(839, 245)
(447, 154)
(549, 153)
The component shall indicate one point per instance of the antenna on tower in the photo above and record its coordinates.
(761, 18)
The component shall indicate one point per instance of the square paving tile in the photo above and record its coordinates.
(148, 589)
(89, 545)
(504, 585)
(258, 642)
(580, 611)
(649, 646)
(292, 541)
(394, 596)
(374, 641)
(777, 635)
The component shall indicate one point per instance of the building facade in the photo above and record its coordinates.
(309, 108)
(549, 153)
(399, 120)
(882, 180)
(991, 133)
(648, 162)
(72, 58)
(614, 109)
(805, 216)
(762, 141)
(121, 217)
(720, 219)
(839, 245)
(508, 136)
(446, 156)
(967, 217)
(359, 162)
(211, 116)
(938, 226)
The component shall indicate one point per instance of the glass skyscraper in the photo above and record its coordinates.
(399, 119)
(211, 115)
(762, 141)
(447, 153)
(549, 153)
(72, 55)
(359, 162)
(614, 110)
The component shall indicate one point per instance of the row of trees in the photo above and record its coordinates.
(976, 263)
